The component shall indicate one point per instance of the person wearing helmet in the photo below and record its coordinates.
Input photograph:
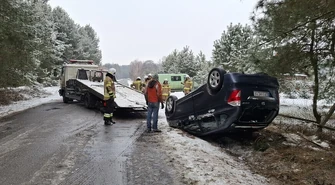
(137, 84)
(187, 85)
(144, 86)
(149, 76)
(109, 96)
(166, 90)
(154, 93)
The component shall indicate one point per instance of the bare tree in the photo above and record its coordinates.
(135, 69)
(149, 67)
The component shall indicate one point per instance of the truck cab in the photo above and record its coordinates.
(78, 69)
(82, 81)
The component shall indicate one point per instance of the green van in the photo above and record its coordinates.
(174, 81)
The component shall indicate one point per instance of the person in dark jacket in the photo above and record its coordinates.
(153, 92)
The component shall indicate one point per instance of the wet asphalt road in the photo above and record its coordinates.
(61, 143)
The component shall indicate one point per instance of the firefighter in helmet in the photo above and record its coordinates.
(144, 86)
(149, 76)
(109, 96)
(137, 84)
(166, 90)
(187, 85)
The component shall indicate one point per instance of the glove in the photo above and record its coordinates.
(162, 105)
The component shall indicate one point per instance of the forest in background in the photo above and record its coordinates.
(36, 39)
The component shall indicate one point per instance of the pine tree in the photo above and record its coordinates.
(181, 62)
(204, 67)
(17, 42)
(35, 40)
(187, 62)
(233, 50)
(66, 31)
(88, 46)
(302, 33)
(170, 63)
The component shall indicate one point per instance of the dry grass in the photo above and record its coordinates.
(8, 96)
(271, 154)
(296, 164)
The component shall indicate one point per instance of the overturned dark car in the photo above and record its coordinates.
(229, 102)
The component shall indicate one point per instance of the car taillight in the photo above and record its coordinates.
(235, 98)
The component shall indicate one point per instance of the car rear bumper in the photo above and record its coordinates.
(231, 119)
(245, 118)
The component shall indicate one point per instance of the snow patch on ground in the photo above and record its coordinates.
(50, 94)
(201, 162)
(300, 102)
(316, 139)
(178, 94)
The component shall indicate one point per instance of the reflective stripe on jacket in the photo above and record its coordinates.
(166, 90)
(108, 87)
(137, 84)
(188, 84)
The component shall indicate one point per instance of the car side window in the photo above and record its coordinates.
(82, 74)
(175, 78)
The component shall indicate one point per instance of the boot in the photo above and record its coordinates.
(112, 121)
(107, 122)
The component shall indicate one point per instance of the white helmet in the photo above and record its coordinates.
(112, 71)
(150, 75)
(165, 79)
(138, 78)
(145, 77)
(187, 76)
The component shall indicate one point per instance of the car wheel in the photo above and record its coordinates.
(170, 104)
(89, 101)
(65, 99)
(215, 79)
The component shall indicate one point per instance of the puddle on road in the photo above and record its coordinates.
(54, 108)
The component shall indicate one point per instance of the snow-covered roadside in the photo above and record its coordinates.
(51, 94)
(200, 162)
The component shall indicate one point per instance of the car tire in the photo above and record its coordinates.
(215, 79)
(89, 101)
(170, 104)
(65, 99)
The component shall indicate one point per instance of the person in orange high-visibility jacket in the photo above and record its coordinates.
(109, 96)
(188, 84)
(166, 90)
(137, 84)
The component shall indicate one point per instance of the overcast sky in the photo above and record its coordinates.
(151, 29)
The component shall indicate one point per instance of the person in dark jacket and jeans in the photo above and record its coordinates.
(154, 93)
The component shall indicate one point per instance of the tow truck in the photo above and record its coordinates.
(83, 81)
